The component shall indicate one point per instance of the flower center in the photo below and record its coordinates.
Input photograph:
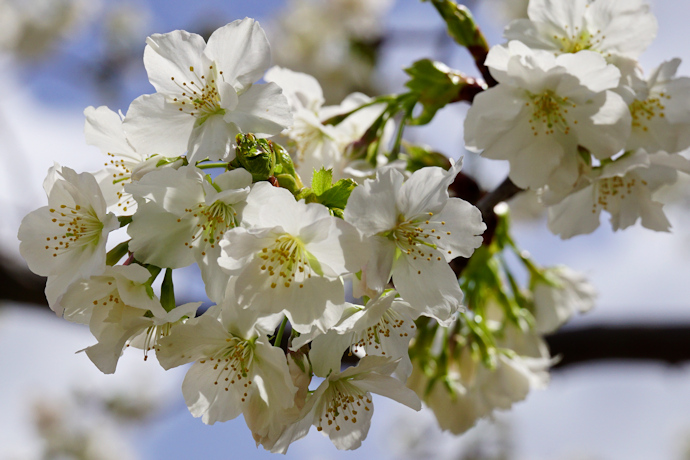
(414, 236)
(343, 403)
(549, 110)
(122, 177)
(199, 97)
(391, 323)
(579, 40)
(74, 227)
(614, 189)
(232, 363)
(287, 261)
(212, 223)
(644, 111)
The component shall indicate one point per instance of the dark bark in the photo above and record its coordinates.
(668, 343)
(18, 284)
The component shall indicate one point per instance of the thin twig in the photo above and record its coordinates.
(503, 192)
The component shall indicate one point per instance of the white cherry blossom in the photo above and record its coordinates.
(341, 407)
(65, 240)
(543, 109)
(624, 189)
(661, 115)
(415, 230)
(182, 217)
(235, 371)
(317, 145)
(206, 93)
(116, 285)
(120, 310)
(383, 328)
(290, 258)
(556, 299)
(103, 129)
(610, 27)
(468, 390)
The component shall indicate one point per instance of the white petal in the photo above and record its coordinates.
(430, 286)
(531, 166)
(241, 51)
(262, 110)
(206, 399)
(302, 90)
(371, 206)
(343, 250)
(464, 223)
(168, 58)
(153, 125)
(196, 339)
(606, 132)
(390, 388)
(377, 272)
(575, 215)
(158, 238)
(426, 190)
(213, 139)
(492, 115)
(558, 12)
(113, 336)
(103, 128)
(591, 70)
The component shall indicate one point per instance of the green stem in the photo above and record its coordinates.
(212, 165)
(279, 335)
(336, 119)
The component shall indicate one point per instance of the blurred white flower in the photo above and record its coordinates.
(624, 189)
(661, 116)
(556, 299)
(612, 28)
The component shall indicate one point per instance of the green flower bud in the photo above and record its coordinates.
(256, 156)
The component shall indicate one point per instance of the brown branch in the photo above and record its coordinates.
(468, 91)
(479, 54)
(669, 343)
(19, 284)
(503, 192)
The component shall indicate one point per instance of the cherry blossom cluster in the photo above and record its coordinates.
(576, 118)
(325, 241)
(270, 250)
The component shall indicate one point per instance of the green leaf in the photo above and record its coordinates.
(420, 156)
(322, 180)
(333, 196)
(461, 25)
(168, 291)
(336, 197)
(435, 85)
(117, 253)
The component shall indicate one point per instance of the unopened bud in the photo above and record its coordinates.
(256, 156)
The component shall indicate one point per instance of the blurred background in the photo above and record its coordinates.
(59, 56)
